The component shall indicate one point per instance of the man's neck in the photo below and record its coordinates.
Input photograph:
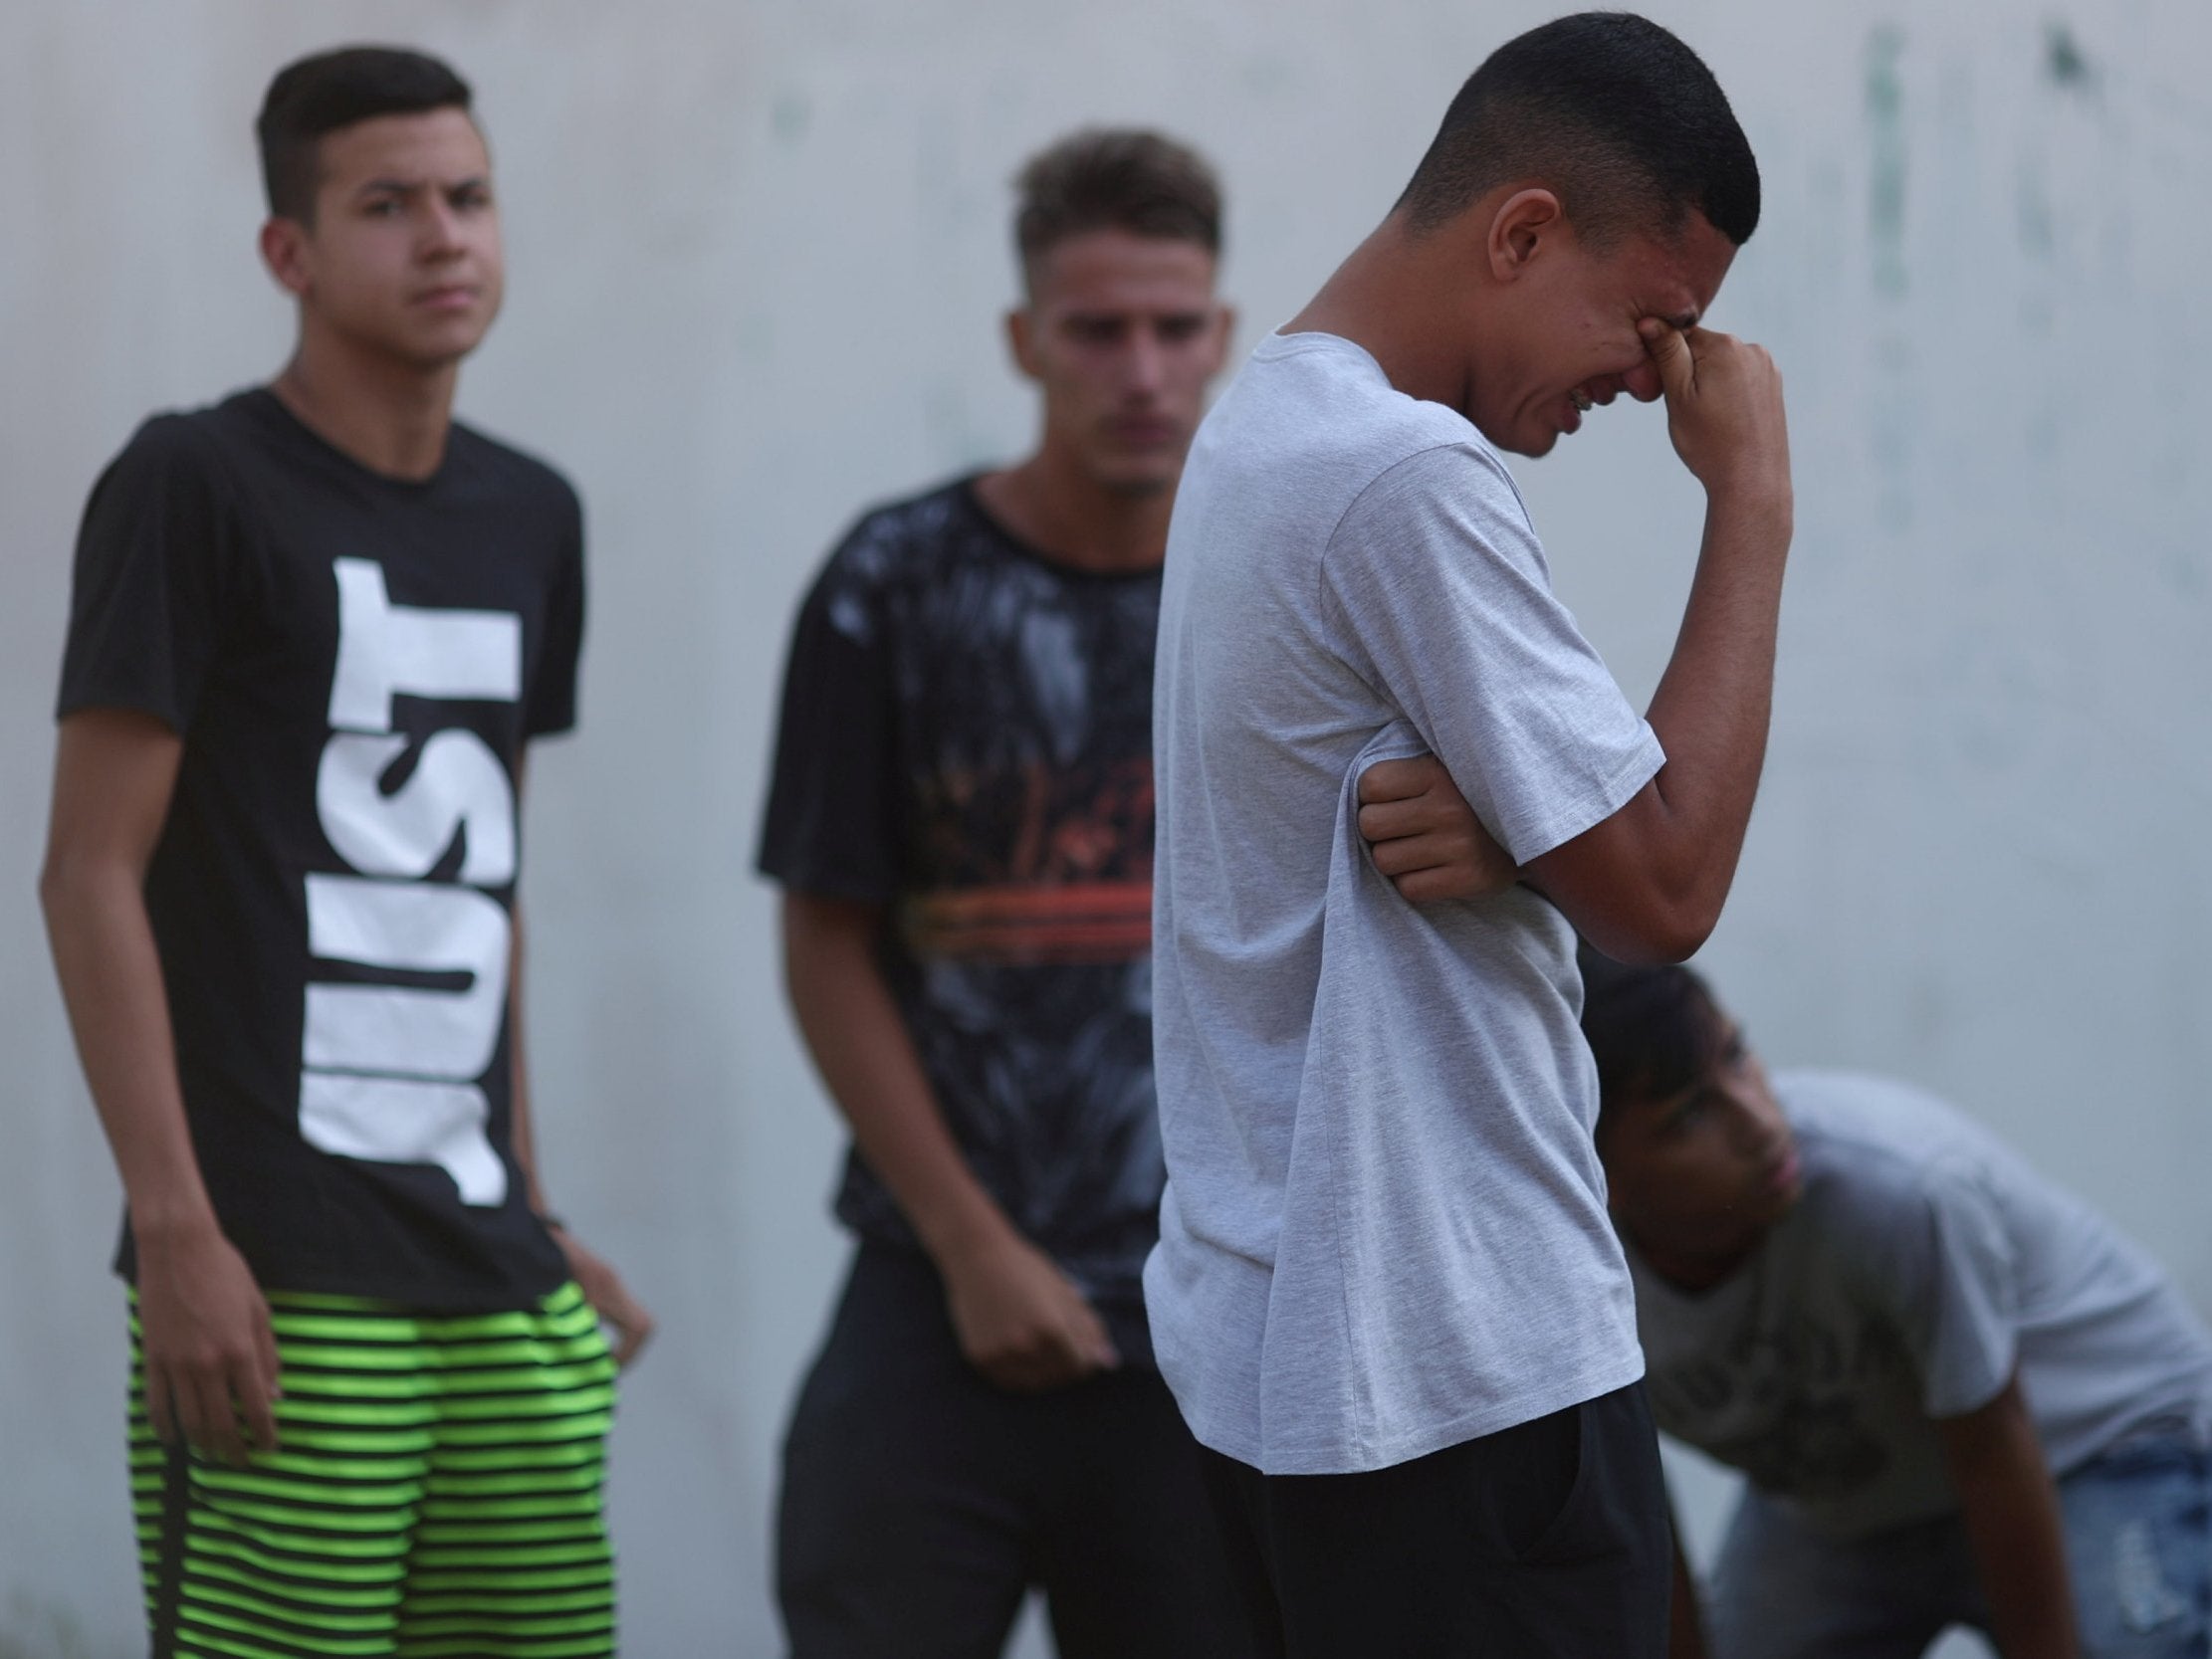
(1060, 510)
(1695, 1272)
(392, 418)
(1384, 298)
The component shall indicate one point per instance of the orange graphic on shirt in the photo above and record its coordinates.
(1087, 922)
(1073, 883)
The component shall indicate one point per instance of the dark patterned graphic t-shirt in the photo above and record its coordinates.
(966, 739)
(355, 663)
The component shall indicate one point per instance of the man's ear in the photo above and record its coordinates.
(1021, 340)
(284, 251)
(1523, 225)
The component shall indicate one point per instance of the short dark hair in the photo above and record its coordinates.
(1115, 178)
(318, 94)
(1654, 1032)
(1612, 112)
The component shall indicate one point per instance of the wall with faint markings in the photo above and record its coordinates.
(757, 263)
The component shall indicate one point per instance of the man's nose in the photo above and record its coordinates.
(1642, 381)
(1757, 1126)
(440, 230)
(1145, 365)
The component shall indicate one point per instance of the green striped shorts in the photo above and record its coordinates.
(437, 1491)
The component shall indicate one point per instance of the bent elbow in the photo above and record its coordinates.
(65, 879)
(1656, 933)
(825, 942)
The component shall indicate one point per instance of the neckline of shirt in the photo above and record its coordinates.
(972, 500)
(1280, 345)
(265, 402)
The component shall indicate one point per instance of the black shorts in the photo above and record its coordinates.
(921, 1502)
(1550, 1539)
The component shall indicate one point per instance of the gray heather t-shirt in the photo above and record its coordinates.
(1385, 1231)
(1923, 1264)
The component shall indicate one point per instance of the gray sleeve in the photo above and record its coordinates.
(1442, 601)
(1952, 1283)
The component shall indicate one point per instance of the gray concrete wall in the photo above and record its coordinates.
(757, 265)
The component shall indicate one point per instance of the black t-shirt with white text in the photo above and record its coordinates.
(355, 663)
(967, 740)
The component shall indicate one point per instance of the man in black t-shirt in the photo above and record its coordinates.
(313, 628)
(962, 821)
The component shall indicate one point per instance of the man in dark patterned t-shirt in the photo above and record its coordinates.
(962, 822)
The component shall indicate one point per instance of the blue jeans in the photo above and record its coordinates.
(2139, 1542)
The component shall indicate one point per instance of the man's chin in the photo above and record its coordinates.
(442, 346)
(1533, 441)
(1135, 484)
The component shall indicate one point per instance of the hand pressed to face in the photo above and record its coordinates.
(1724, 409)
(403, 261)
(1122, 333)
(1697, 1177)
(1566, 337)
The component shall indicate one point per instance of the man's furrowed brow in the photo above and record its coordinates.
(416, 186)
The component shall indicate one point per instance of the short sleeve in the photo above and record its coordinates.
(552, 692)
(1445, 605)
(1951, 1280)
(156, 558)
(831, 828)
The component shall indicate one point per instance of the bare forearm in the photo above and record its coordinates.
(610, 1298)
(868, 1062)
(1021, 1322)
(2013, 1526)
(522, 1131)
(2019, 1547)
(210, 1357)
(1714, 702)
(1647, 884)
(1685, 1624)
(522, 1127)
(110, 979)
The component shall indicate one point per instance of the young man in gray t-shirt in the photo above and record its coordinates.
(1958, 1395)
(1386, 1295)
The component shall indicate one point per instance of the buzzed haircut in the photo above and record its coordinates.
(331, 90)
(1617, 117)
(1654, 1032)
(1115, 178)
